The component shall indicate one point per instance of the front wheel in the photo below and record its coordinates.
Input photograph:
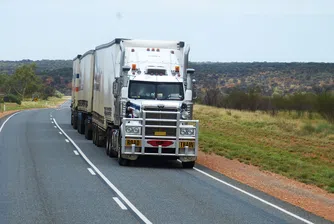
(188, 165)
(121, 161)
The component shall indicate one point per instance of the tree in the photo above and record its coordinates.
(25, 81)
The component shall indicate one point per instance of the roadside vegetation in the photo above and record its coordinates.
(295, 145)
(25, 90)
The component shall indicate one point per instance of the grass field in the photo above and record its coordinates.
(51, 102)
(299, 148)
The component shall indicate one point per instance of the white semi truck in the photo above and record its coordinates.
(135, 98)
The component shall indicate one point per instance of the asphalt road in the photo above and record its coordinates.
(45, 178)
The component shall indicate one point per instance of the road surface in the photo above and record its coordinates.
(51, 174)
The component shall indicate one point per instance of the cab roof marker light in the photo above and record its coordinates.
(132, 50)
(148, 49)
(172, 52)
(134, 67)
(158, 50)
(177, 68)
(153, 49)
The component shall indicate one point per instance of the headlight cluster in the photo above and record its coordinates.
(187, 131)
(184, 115)
(132, 130)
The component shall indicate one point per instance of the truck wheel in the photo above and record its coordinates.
(108, 143)
(72, 119)
(79, 124)
(88, 133)
(112, 152)
(188, 165)
(75, 121)
(121, 161)
(94, 134)
(99, 141)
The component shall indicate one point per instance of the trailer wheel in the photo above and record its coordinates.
(188, 165)
(108, 143)
(81, 124)
(88, 133)
(75, 120)
(94, 134)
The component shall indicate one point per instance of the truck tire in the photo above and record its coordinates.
(94, 134)
(121, 161)
(108, 143)
(112, 153)
(88, 133)
(81, 124)
(99, 142)
(75, 121)
(188, 165)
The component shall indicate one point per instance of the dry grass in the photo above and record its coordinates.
(300, 148)
(50, 103)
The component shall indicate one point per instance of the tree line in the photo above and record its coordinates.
(24, 83)
(252, 100)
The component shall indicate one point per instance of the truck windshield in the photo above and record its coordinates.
(152, 90)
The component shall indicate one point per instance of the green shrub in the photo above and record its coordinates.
(11, 98)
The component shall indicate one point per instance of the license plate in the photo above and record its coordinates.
(189, 144)
(160, 133)
(129, 142)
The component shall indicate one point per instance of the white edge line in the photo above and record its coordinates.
(255, 197)
(3, 124)
(91, 171)
(76, 152)
(120, 204)
(66, 140)
(113, 187)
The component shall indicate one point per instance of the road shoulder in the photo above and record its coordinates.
(310, 198)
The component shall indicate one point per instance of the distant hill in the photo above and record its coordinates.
(282, 78)
(56, 73)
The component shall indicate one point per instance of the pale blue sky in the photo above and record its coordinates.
(217, 30)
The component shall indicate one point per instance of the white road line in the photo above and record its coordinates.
(91, 171)
(123, 207)
(60, 133)
(66, 140)
(76, 152)
(113, 187)
(3, 124)
(255, 197)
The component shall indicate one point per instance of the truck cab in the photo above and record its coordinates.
(156, 99)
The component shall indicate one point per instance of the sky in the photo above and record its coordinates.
(216, 30)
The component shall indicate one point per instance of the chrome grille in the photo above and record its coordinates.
(169, 131)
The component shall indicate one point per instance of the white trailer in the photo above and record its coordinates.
(85, 93)
(74, 101)
(142, 101)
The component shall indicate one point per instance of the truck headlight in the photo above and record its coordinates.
(184, 115)
(132, 130)
(187, 131)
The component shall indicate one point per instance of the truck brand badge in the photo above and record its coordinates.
(161, 106)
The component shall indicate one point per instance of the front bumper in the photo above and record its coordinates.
(183, 147)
